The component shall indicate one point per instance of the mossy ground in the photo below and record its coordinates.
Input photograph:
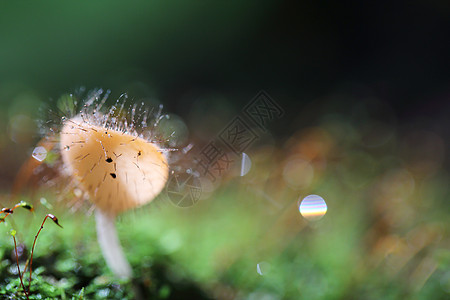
(212, 250)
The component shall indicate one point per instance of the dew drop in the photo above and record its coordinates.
(313, 207)
(39, 153)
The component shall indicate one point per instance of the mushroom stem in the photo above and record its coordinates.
(109, 243)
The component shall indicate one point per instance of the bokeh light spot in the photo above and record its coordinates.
(313, 207)
(262, 268)
(39, 153)
(246, 164)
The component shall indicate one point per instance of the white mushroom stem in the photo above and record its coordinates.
(119, 171)
(110, 245)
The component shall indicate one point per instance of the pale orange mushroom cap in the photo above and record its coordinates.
(119, 171)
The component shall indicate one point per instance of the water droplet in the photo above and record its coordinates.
(246, 164)
(263, 268)
(313, 207)
(39, 153)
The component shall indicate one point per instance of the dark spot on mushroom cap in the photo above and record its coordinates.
(109, 159)
(139, 153)
(113, 175)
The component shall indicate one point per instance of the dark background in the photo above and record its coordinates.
(365, 90)
(311, 57)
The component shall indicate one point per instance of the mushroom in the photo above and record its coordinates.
(119, 171)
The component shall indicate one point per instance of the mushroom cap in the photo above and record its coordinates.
(119, 171)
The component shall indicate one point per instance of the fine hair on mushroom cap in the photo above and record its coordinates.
(115, 157)
(119, 171)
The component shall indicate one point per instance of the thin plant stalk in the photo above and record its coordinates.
(34, 243)
(18, 267)
(26, 267)
(8, 211)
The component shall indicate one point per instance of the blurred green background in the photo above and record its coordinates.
(365, 93)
